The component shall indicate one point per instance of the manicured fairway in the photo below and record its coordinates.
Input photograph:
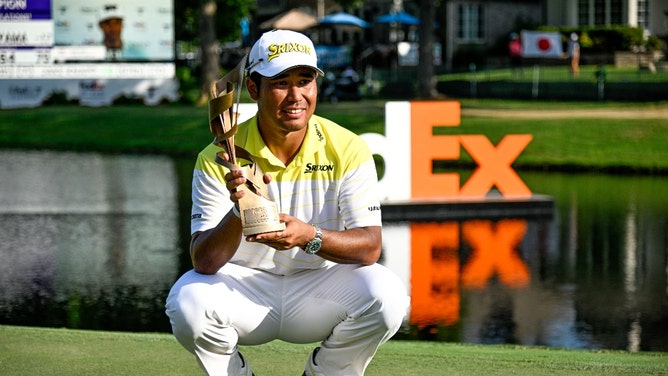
(43, 351)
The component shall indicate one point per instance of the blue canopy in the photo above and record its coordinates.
(343, 18)
(400, 18)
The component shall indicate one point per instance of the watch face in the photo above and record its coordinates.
(313, 246)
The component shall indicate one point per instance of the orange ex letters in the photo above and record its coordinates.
(409, 147)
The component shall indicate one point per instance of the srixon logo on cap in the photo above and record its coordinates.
(276, 49)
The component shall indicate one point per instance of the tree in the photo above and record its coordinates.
(226, 20)
(209, 49)
(205, 23)
(425, 75)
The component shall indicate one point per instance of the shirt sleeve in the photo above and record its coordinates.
(210, 198)
(359, 197)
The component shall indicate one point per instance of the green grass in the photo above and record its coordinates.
(42, 351)
(170, 129)
(522, 105)
(559, 74)
(572, 143)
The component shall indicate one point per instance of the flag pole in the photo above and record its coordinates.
(536, 79)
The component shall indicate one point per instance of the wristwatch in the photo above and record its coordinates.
(313, 246)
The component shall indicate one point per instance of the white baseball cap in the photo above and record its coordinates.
(108, 12)
(279, 50)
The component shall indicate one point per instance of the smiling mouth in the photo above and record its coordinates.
(294, 111)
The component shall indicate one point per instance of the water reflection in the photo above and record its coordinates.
(594, 276)
(91, 241)
(86, 240)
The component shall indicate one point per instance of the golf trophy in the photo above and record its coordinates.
(257, 212)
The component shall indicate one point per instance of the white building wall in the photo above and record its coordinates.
(632, 12)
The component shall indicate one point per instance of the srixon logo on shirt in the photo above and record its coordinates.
(311, 168)
(410, 146)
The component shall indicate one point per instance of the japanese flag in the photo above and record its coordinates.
(541, 44)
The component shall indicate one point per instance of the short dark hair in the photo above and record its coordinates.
(256, 78)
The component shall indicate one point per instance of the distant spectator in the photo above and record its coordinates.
(245, 31)
(515, 52)
(574, 54)
(350, 74)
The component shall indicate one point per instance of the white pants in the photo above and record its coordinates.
(350, 309)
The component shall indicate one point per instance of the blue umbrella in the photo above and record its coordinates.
(342, 18)
(400, 18)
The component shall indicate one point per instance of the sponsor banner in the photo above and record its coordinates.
(542, 44)
(82, 71)
(33, 33)
(89, 92)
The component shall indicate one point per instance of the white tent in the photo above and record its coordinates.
(293, 19)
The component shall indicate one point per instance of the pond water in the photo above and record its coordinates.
(95, 241)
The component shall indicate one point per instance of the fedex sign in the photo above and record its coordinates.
(409, 147)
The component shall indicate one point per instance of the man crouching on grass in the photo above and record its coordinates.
(315, 281)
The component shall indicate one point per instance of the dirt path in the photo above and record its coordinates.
(659, 112)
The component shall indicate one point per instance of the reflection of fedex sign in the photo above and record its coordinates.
(409, 147)
(428, 258)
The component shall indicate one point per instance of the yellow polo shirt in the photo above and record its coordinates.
(331, 183)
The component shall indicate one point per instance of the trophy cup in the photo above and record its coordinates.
(257, 212)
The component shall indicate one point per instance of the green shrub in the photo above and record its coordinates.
(189, 87)
(607, 39)
(469, 54)
(654, 43)
(613, 38)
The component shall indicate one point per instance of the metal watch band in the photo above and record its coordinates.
(314, 245)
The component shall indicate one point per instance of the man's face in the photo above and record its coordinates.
(286, 102)
(111, 29)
